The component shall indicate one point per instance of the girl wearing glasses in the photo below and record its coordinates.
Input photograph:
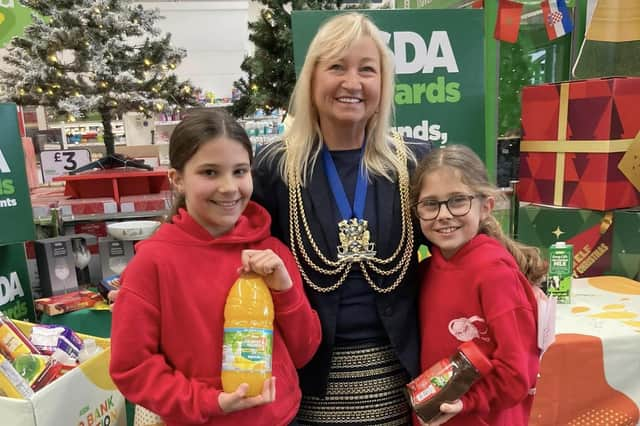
(477, 286)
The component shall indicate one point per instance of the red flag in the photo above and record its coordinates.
(508, 22)
(478, 4)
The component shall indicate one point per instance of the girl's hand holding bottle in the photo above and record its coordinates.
(268, 265)
(237, 400)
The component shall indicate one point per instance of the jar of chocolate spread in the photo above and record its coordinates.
(447, 380)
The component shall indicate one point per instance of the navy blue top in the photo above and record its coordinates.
(358, 319)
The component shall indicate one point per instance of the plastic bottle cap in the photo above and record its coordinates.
(476, 357)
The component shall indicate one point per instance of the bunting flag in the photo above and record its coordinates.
(508, 22)
(557, 18)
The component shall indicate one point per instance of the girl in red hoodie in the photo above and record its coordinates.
(476, 287)
(166, 342)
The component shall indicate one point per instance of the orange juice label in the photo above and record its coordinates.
(247, 350)
(430, 382)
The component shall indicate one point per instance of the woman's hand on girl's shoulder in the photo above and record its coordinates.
(238, 400)
(269, 265)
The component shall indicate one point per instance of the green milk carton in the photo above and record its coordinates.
(560, 271)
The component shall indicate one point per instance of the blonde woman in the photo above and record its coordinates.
(337, 189)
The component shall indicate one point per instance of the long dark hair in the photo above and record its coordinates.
(473, 173)
(200, 126)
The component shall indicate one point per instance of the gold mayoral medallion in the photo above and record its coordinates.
(355, 241)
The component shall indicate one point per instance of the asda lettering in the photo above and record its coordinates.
(10, 288)
(102, 415)
(438, 54)
(6, 185)
(4, 166)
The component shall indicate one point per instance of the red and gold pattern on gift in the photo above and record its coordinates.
(574, 137)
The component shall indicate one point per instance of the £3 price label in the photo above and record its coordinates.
(58, 163)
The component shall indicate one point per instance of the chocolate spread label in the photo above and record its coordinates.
(430, 382)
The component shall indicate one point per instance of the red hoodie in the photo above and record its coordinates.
(480, 294)
(166, 337)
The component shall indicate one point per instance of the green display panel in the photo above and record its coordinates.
(16, 215)
(438, 55)
(626, 243)
(15, 289)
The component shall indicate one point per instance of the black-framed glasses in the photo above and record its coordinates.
(458, 205)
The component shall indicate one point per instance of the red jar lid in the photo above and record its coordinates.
(476, 357)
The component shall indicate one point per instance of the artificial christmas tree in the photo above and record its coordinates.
(104, 56)
(270, 71)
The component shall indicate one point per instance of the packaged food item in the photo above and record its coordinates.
(560, 271)
(64, 360)
(12, 384)
(52, 371)
(48, 337)
(13, 342)
(447, 380)
(69, 302)
(248, 335)
(108, 284)
(30, 366)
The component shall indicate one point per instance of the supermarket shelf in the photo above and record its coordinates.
(46, 220)
(89, 127)
(114, 183)
(113, 216)
(277, 118)
(80, 145)
(77, 124)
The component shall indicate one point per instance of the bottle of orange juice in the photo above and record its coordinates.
(248, 335)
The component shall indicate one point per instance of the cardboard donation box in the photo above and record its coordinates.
(81, 397)
(575, 136)
(589, 232)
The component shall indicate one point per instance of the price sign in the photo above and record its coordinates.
(58, 163)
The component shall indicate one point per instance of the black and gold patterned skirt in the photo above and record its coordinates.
(365, 387)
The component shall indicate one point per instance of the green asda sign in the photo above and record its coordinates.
(16, 216)
(16, 220)
(15, 290)
(439, 60)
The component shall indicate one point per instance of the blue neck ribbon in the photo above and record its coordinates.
(337, 189)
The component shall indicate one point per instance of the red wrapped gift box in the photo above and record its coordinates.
(574, 136)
